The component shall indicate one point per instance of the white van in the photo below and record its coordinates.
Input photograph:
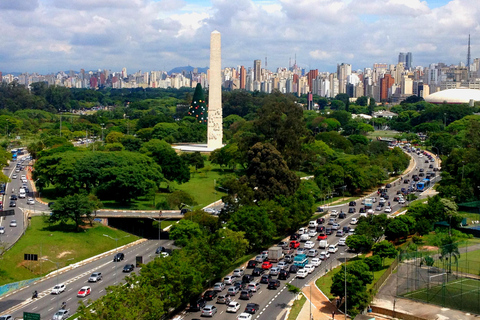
(312, 253)
(323, 244)
(21, 193)
(332, 248)
(301, 231)
(304, 237)
(313, 224)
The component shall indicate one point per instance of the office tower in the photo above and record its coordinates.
(243, 77)
(312, 74)
(408, 61)
(385, 83)
(214, 130)
(343, 71)
(257, 70)
(401, 57)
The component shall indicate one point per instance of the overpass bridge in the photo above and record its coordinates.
(163, 214)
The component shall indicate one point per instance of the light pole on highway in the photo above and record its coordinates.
(310, 285)
(116, 250)
(345, 281)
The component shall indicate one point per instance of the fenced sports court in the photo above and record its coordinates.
(448, 277)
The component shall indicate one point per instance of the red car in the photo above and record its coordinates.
(84, 291)
(294, 244)
(322, 236)
(267, 265)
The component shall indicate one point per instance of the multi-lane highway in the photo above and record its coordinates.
(272, 302)
(47, 304)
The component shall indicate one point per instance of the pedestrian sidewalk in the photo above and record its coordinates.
(321, 308)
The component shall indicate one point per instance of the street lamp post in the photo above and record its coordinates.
(116, 250)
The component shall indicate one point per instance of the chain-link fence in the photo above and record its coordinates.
(447, 277)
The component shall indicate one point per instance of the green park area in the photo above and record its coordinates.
(56, 244)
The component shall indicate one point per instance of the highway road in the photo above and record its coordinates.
(47, 304)
(12, 234)
(272, 302)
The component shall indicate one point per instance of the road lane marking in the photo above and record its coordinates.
(50, 309)
(69, 299)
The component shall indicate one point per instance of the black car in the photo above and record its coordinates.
(247, 278)
(284, 274)
(345, 229)
(160, 250)
(293, 268)
(328, 231)
(351, 210)
(386, 196)
(258, 272)
(197, 304)
(209, 295)
(246, 294)
(319, 209)
(362, 210)
(343, 215)
(421, 174)
(406, 181)
(128, 268)
(273, 284)
(294, 236)
(118, 257)
(251, 264)
(266, 278)
(352, 203)
(13, 197)
(388, 185)
(320, 220)
(320, 228)
(252, 308)
(426, 160)
(13, 204)
(421, 170)
(239, 284)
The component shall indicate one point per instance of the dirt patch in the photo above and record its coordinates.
(429, 248)
(63, 254)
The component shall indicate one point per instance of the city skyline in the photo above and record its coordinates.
(46, 36)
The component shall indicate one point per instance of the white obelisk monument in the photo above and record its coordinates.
(215, 120)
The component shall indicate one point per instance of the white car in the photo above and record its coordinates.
(282, 265)
(324, 255)
(302, 231)
(23, 177)
(382, 200)
(312, 233)
(59, 288)
(30, 201)
(300, 251)
(229, 279)
(244, 316)
(2, 230)
(309, 268)
(253, 286)
(233, 306)
(335, 226)
(24, 180)
(342, 241)
(315, 262)
(13, 223)
(302, 273)
(60, 315)
(309, 245)
(354, 221)
(388, 210)
(401, 201)
(332, 248)
(370, 211)
(14, 176)
(351, 231)
(334, 213)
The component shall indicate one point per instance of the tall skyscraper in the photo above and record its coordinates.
(408, 61)
(343, 71)
(243, 77)
(401, 57)
(257, 70)
(311, 75)
(215, 129)
(385, 83)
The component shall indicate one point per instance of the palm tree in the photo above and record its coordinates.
(450, 248)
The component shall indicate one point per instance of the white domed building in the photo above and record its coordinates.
(454, 96)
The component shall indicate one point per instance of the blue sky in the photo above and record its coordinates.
(50, 35)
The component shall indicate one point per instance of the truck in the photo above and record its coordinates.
(323, 244)
(275, 254)
(300, 260)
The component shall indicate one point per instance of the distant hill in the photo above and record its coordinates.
(187, 69)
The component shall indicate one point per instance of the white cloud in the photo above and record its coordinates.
(50, 35)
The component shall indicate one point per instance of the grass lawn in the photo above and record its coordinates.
(51, 242)
(382, 133)
(297, 307)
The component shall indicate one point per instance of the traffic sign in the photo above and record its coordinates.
(5, 213)
(30, 257)
(31, 316)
